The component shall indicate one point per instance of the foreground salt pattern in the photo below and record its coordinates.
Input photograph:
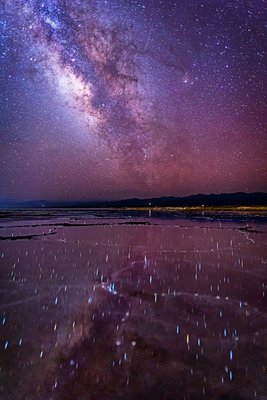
(97, 307)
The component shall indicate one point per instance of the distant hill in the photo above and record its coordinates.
(224, 199)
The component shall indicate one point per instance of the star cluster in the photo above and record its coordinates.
(119, 98)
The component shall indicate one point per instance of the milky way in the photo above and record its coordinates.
(121, 98)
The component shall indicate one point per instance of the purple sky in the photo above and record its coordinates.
(126, 98)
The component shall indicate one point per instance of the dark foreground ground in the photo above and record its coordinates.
(123, 305)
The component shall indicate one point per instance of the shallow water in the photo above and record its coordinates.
(104, 306)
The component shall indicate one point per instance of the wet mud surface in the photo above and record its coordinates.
(109, 307)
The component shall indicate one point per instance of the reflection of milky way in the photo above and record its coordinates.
(111, 308)
(115, 98)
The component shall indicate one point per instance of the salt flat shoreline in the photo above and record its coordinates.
(164, 212)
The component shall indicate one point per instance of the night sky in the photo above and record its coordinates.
(108, 99)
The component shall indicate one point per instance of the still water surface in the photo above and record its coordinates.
(109, 307)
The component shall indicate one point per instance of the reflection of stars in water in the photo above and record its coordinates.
(124, 274)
